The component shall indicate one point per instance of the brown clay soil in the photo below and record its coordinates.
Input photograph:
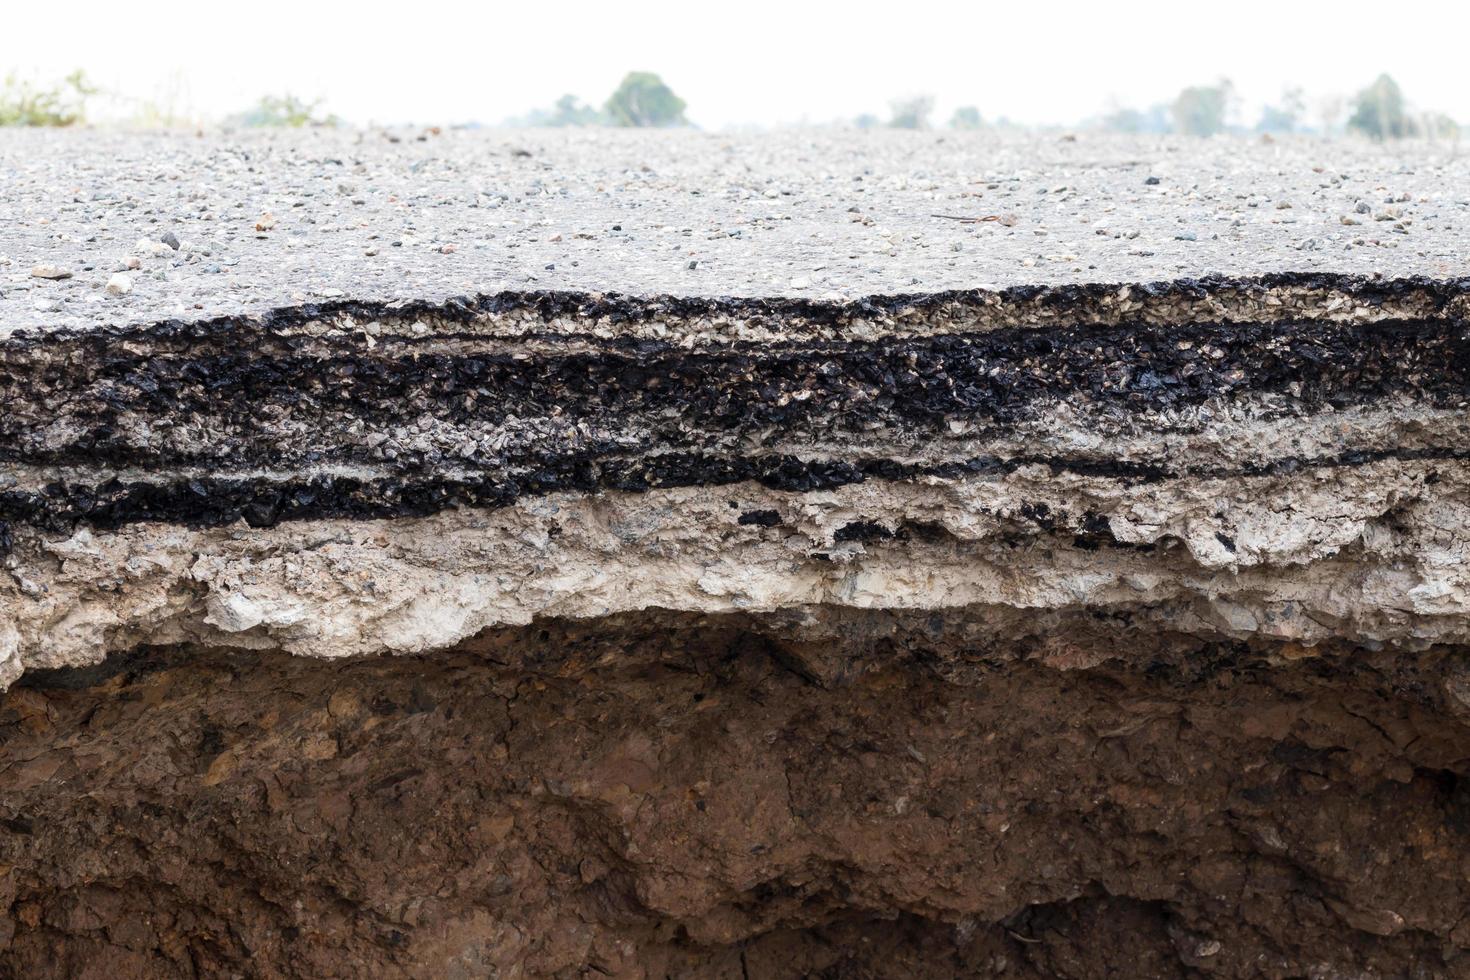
(660, 796)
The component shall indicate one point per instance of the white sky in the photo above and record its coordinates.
(757, 62)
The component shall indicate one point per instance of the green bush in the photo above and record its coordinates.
(912, 113)
(286, 111)
(24, 104)
(966, 117)
(1200, 109)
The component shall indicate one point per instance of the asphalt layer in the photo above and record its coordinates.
(269, 401)
(334, 429)
(281, 219)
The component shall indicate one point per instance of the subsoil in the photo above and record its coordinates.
(675, 796)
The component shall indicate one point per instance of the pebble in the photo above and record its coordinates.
(149, 247)
(119, 285)
(46, 271)
(170, 239)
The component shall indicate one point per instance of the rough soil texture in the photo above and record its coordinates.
(659, 795)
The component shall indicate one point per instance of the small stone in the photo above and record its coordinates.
(1186, 236)
(46, 271)
(119, 285)
(133, 262)
(1152, 181)
(693, 264)
(149, 247)
(802, 283)
(1363, 207)
(170, 239)
(1348, 219)
(446, 249)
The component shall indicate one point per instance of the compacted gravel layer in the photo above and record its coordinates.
(264, 220)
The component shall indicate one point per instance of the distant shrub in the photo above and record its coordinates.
(912, 113)
(1124, 119)
(966, 117)
(571, 111)
(1200, 109)
(286, 111)
(568, 111)
(25, 104)
(1286, 115)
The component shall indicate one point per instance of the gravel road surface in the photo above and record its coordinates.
(111, 228)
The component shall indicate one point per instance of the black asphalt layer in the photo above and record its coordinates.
(582, 413)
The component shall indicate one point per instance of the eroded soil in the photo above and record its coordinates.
(671, 796)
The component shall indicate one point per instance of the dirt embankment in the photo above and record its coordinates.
(660, 795)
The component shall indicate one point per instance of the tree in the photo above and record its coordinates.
(965, 117)
(1378, 111)
(644, 100)
(1200, 109)
(1285, 116)
(912, 113)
